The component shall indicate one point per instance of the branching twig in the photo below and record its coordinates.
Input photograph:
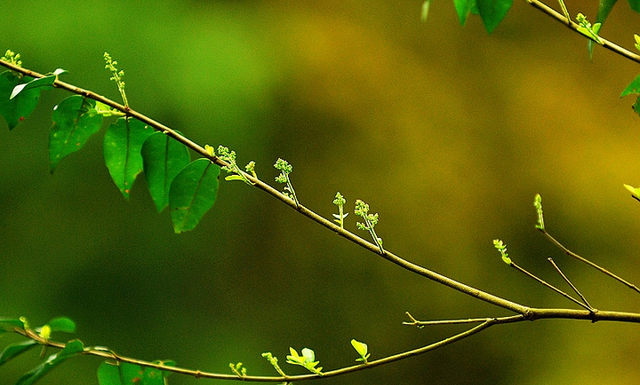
(568, 281)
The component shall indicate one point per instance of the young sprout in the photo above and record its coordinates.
(232, 168)
(14, 58)
(116, 76)
(362, 350)
(340, 202)
(370, 221)
(307, 360)
(274, 362)
(286, 169)
(502, 248)
(585, 28)
(238, 369)
(537, 203)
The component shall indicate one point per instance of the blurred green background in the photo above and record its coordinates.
(446, 131)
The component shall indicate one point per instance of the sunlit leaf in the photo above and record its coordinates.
(74, 121)
(492, 12)
(72, 348)
(17, 109)
(40, 83)
(122, 144)
(192, 193)
(13, 350)
(425, 10)
(163, 158)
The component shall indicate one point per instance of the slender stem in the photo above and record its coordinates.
(566, 279)
(550, 286)
(581, 259)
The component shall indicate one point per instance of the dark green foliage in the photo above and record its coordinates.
(193, 193)
(122, 145)
(74, 121)
(13, 350)
(163, 159)
(123, 373)
(493, 11)
(14, 110)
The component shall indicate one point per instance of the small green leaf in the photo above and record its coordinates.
(17, 109)
(72, 348)
(635, 191)
(74, 121)
(122, 144)
(493, 11)
(192, 193)
(62, 324)
(636, 105)
(632, 88)
(45, 82)
(163, 158)
(13, 350)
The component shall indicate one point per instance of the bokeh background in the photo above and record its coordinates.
(445, 131)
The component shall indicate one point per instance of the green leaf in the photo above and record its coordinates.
(462, 8)
(13, 350)
(632, 88)
(635, 5)
(193, 193)
(163, 158)
(17, 109)
(360, 347)
(109, 374)
(492, 12)
(74, 121)
(425, 10)
(10, 324)
(72, 348)
(62, 324)
(636, 105)
(122, 144)
(45, 82)
(152, 376)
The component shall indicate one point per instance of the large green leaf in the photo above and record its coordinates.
(74, 120)
(17, 109)
(492, 12)
(72, 348)
(635, 5)
(193, 192)
(163, 158)
(604, 8)
(122, 144)
(13, 350)
(121, 373)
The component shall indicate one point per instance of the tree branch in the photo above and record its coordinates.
(574, 26)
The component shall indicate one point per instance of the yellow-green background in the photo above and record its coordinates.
(446, 131)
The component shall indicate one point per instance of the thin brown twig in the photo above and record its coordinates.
(568, 281)
(588, 262)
